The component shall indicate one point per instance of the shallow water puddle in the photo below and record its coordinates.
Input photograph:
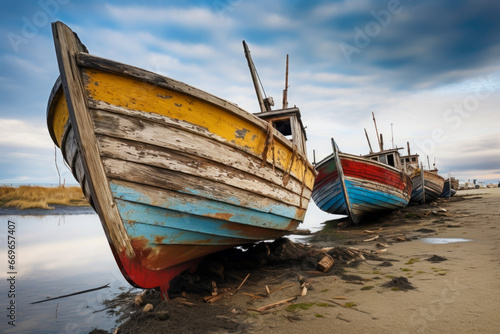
(58, 255)
(441, 241)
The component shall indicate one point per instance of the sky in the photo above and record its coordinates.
(428, 70)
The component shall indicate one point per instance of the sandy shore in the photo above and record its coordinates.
(458, 295)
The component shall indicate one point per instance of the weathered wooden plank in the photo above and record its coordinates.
(70, 149)
(172, 128)
(94, 62)
(141, 129)
(55, 94)
(187, 164)
(79, 170)
(131, 94)
(183, 228)
(67, 46)
(195, 205)
(162, 178)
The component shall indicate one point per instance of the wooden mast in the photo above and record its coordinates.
(255, 79)
(376, 130)
(369, 144)
(285, 91)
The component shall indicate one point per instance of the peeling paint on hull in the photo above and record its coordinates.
(371, 186)
(433, 185)
(174, 173)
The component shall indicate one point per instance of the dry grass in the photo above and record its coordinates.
(31, 197)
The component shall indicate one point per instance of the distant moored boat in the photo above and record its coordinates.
(450, 187)
(359, 186)
(427, 184)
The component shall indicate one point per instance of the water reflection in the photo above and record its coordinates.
(442, 241)
(58, 255)
(63, 254)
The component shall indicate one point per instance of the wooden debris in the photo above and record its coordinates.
(207, 298)
(304, 284)
(381, 251)
(214, 288)
(283, 287)
(239, 287)
(340, 318)
(355, 253)
(345, 306)
(71, 294)
(342, 298)
(215, 298)
(267, 289)
(138, 300)
(273, 305)
(252, 295)
(178, 300)
(371, 239)
(188, 304)
(147, 308)
(325, 263)
(381, 245)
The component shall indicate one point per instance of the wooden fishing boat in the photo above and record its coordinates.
(358, 186)
(450, 187)
(432, 186)
(173, 172)
(433, 183)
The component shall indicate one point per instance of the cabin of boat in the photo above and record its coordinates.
(389, 157)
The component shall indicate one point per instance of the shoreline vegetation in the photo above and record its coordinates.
(36, 197)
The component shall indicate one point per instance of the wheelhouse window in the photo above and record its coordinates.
(284, 126)
(390, 160)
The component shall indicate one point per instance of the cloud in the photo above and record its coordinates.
(190, 17)
(430, 57)
(17, 133)
(425, 41)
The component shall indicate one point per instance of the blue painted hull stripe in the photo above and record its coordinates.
(362, 200)
(163, 222)
(205, 209)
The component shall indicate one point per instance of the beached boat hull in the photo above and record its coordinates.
(433, 187)
(174, 173)
(450, 188)
(369, 187)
